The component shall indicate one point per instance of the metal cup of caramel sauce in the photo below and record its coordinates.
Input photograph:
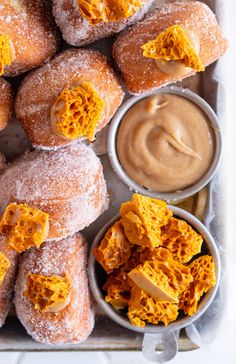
(166, 144)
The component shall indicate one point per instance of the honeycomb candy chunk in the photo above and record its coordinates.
(5, 52)
(142, 218)
(173, 44)
(144, 309)
(24, 226)
(114, 250)
(181, 239)
(48, 293)
(178, 274)
(104, 11)
(118, 288)
(203, 272)
(154, 281)
(4, 266)
(77, 112)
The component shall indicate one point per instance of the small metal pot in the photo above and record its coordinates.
(170, 196)
(153, 334)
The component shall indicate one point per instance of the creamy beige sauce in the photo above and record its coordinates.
(165, 143)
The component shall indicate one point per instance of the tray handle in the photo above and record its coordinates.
(167, 341)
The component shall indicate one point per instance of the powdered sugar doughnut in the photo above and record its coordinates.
(76, 29)
(6, 103)
(142, 74)
(68, 184)
(2, 162)
(73, 323)
(8, 260)
(69, 69)
(30, 35)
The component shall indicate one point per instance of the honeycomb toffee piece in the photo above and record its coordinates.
(179, 276)
(203, 272)
(114, 249)
(5, 52)
(104, 11)
(174, 45)
(144, 309)
(118, 288)
(48, 293)
(142, 219)
(77, 112)
(4, 266)
(181, 239)
(24, 226)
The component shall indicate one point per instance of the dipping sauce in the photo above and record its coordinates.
(165, 143)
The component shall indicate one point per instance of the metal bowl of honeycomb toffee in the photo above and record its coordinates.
(124, 284)
(165, 144)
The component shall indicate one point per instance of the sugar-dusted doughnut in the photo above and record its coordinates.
(77, 94)
(28, 35)
(68, 184)
(8, 265)
(6, 102)
(66, 314)
(171, 43)
(84, 21)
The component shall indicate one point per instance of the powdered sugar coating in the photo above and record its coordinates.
(6, 102)
(7, 286)
(77, 31)
(142, 74)
(41, 88)
(32, 31)
(67, 183)
(74, 323)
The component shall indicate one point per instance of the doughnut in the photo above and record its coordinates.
(8, 265)
(171, 43)
(6, 103)
(84, 21)
(28, 35)
(77, 94)
(2, 162)
(68, 184)
(65, 315)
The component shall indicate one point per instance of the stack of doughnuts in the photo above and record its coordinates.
(57, 187)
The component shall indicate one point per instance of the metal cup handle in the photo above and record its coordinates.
(167, 341)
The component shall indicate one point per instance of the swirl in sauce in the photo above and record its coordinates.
(165, 143)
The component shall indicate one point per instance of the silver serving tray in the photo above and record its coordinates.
(205, 205)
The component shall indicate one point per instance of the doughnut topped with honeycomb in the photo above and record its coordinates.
(24, 226)
(84, 21)
(6, 104)
(52, 296)
(172, 42)
(77, 94)
(28, 35)
(67, 184)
